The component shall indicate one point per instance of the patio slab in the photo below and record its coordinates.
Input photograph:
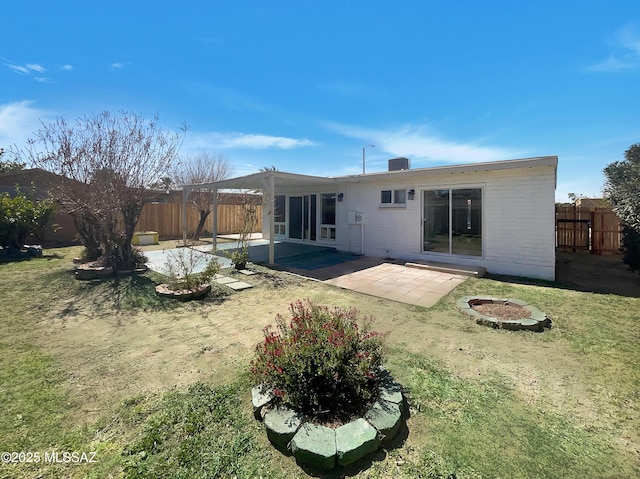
(399, 283)
(387, 279)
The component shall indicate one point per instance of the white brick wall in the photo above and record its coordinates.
(518, 224)
(518, 220)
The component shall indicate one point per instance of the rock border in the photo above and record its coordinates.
(536, 321)
(327, 448)
(164, 290)
(92, 270)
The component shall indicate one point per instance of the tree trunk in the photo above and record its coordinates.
(89, 237)
(130, 216)
(204, 214)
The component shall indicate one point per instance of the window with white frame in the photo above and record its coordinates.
(393, 197)
(279, 215)
(328, 217)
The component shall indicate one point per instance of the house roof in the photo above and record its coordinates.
(259, 180)
(283, 179)
(43, 180)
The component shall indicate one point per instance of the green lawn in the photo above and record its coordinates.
(159, 389)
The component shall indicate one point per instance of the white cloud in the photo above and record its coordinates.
(612, 64)
(35, 67)
(421, 145)
(18, 68)
(626, 44)
(66, 67)
(117, 66)
(18, 122)
(217, 140)
(27, 69)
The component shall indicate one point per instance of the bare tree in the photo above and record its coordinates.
(107, 163)
(203, 167)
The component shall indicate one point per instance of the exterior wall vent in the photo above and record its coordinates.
(397, 164)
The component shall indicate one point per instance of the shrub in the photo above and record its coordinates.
(321, 362)
(182, 264)
(630, 247)
(22, 216)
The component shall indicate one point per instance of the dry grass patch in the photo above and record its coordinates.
(93, 366)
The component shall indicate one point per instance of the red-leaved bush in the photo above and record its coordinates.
(321, 362)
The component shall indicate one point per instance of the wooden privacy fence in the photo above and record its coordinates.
(593, 230)
(166, 219)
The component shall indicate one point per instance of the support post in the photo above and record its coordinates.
(214, 218)
(185, 195)
(272, 200)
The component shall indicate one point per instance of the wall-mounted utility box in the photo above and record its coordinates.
(355, 217)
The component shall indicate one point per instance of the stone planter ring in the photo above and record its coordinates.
(325, 448)
(531, 318)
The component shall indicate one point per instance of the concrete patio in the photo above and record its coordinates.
(389, 279)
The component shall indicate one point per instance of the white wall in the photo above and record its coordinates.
(518, 219)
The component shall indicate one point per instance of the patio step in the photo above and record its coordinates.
(475, 271)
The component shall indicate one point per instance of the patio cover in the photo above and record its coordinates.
(266, 181)
(270, 181)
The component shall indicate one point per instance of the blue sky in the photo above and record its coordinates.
(303, 85)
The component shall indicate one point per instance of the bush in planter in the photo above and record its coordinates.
(240, 257)
(321, 362)
(181, 264)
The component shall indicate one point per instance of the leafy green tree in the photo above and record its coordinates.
(22, 216)
(622, 188)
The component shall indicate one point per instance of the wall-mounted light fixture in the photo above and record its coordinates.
(412, 194)
(340, 197)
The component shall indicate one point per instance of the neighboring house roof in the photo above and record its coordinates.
(591, 202)
(283, 179)
(42, 179)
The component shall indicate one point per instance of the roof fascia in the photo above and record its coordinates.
(451, 169)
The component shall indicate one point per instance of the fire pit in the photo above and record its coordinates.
(504, 313)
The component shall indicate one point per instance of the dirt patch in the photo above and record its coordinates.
(598, 274)
(110, 356)
(502, 311)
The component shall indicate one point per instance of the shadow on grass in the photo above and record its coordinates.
(18, 258)
(585, 273)
(126, 293)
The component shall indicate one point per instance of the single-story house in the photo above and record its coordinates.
(497, 215)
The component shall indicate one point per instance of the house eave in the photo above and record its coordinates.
(455, 169)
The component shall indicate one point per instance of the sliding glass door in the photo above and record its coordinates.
(303, 217)
(452, 221)
(436, 221)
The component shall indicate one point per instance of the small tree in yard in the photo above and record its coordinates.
(622, 188)
(107, 163)
(21, 216)
(204, 167)
(182, 264)
(248, 222)
(322, 362)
